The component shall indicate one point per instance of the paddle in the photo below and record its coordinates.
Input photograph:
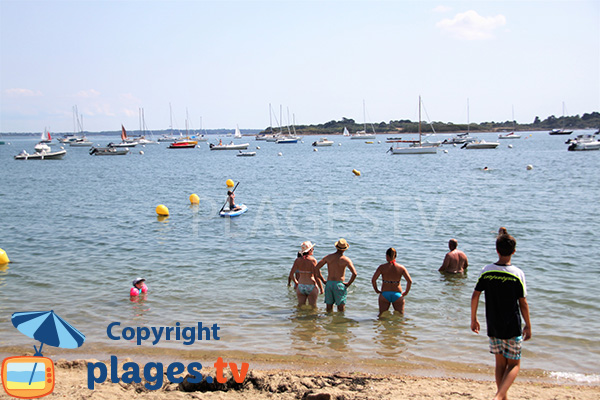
(236, 185)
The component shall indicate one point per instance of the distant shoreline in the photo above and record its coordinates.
(249, 135)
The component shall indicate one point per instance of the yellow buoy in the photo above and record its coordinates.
(194, 199)
(229, 183)
(3, 257)
(162, 210)
(356, 172)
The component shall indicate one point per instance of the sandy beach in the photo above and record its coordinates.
(316, 384)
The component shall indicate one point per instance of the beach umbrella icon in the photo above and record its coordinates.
(48, 328)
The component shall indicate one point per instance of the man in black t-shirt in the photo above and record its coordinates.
(505, 301)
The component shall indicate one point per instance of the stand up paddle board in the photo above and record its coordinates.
(227, 213)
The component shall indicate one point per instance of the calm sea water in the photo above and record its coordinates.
(80, 229)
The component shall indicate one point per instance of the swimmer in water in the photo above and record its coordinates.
(139, 287)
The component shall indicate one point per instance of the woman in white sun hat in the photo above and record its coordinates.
(305, 276)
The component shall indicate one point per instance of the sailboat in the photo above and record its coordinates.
(346, 133)
(46, 137)
(417, 146)
(238, 133)
(511, 135)
(363, 134)
(562, 130)
(141, 139)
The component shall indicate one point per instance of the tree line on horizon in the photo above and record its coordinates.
(587, 120)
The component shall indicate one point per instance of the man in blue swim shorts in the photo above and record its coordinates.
(335, 287)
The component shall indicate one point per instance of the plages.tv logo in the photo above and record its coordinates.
(30, 377)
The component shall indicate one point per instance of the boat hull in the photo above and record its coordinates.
(108, 151)
(242, 146)
(415, 150)
(362, 137)
(57, 155)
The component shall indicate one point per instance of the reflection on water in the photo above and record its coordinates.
(139, 308)
(392, 334)
(312, 330)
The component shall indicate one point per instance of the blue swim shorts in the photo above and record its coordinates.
(391, 296)
(335, 292)
(509, 348)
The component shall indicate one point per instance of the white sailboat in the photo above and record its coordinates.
(363, 134)
(511, 135)
(346, 133)
(416, 147)
(238, 133)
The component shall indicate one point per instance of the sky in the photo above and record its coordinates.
(218, 64)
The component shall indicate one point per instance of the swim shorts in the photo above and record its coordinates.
(305, 289)
(509, 348)
(335, 292)
(391, 296)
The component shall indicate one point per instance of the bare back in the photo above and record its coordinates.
(305, 270)
(336, 266)
(455, 262)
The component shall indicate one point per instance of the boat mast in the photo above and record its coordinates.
(270, 119)
(364, 116)
(468, 120)
(171, 117)
(513, 115)
(419, 120)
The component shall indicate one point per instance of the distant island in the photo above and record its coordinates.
(394, 127)
(591, 120)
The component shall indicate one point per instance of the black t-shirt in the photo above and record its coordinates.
(503, 286)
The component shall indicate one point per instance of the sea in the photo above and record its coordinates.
(80, 229)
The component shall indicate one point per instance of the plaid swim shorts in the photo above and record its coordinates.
(509, 348)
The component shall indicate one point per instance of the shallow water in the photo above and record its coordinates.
(80, 229)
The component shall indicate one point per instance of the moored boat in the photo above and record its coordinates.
(231, 146)
(109, 151)
(480, 144)
(246, 154)
(584, 143)
(510, 135)
(416, 146)
(42, 152)
(183, 144)
(323, 142)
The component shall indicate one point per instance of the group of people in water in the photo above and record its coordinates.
(503, 283)
(309, 282)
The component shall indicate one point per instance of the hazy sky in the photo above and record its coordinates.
(225, 61)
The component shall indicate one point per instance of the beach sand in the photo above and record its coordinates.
(71, 383)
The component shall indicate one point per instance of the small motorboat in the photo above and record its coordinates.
(109, 151)
(246, 154)
(511, 135)
(183, 144)
(480, 144)
(584, 143)
(231, 146)
(234, 213)
(42, 152)
(287, 140)
(323, 142)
